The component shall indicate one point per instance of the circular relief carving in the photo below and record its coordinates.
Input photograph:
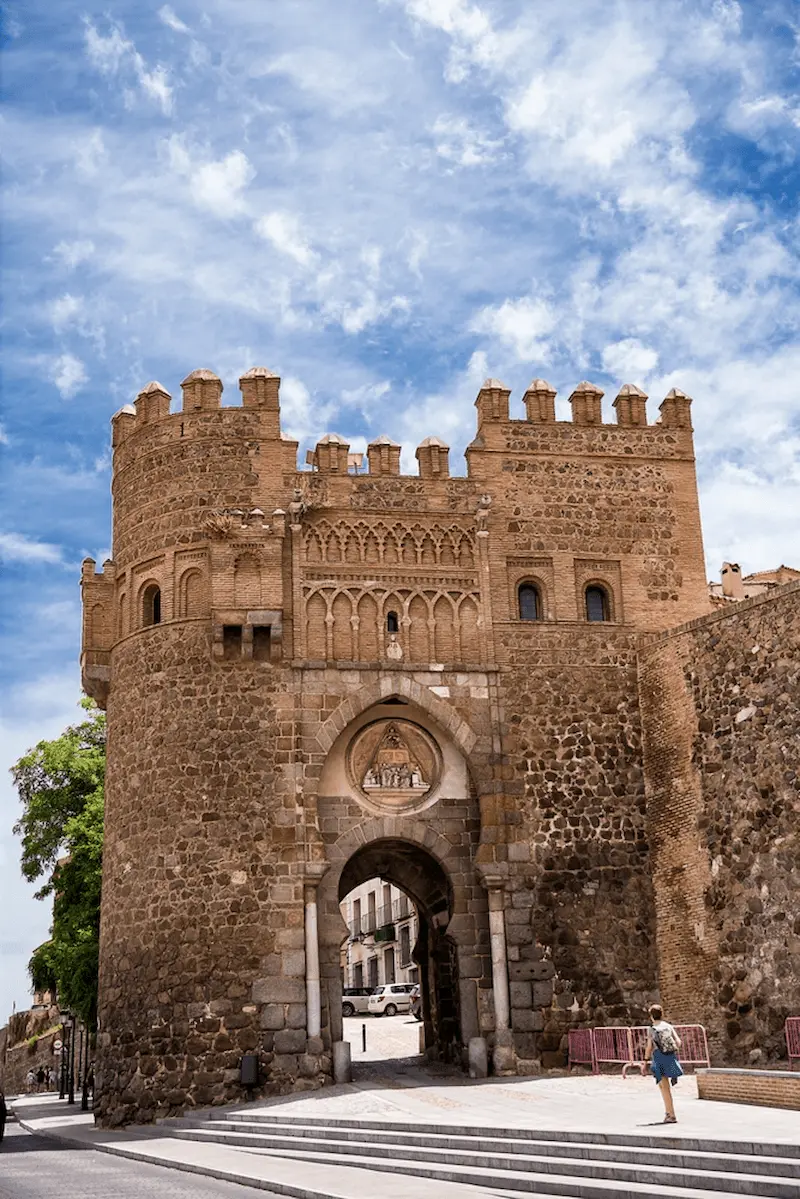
(394, 766)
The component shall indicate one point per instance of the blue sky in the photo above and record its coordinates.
(383, 201)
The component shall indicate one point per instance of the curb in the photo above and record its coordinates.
(280, 1188)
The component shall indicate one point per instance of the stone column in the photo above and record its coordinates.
(503, 1054)
(313, 992)
(497, 933)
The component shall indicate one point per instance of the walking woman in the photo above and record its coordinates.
(663, 1044)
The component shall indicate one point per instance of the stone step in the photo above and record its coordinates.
(510, 1182)
(521, 1144)
(499, 1167)
(671, 1136)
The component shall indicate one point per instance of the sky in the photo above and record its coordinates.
(384, 201)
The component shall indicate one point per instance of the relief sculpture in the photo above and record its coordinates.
(395, 765)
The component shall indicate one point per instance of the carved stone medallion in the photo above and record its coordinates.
(394, 766)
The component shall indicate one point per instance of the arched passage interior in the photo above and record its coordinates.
(423, 879)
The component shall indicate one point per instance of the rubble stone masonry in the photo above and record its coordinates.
(721, 710)
(263, 635)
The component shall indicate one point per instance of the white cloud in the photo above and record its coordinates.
(4, 436)
(302, 417)
(284, 231)
(69, 375)
(72, 253)
(215, 184)
(171, 20)
(521, 325)
(457, 141)
(90, 152)
(114, 54)
(65, 310)
(17, 547)
(629, 360)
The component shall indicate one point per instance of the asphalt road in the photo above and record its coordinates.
(34, 1167)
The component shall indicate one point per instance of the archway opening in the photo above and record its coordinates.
(412, 872)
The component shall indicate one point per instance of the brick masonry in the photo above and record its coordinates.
(766, 1088)
(256, 619)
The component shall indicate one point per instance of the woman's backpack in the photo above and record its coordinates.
(666, 1039)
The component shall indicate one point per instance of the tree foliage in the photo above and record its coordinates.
(60, 784)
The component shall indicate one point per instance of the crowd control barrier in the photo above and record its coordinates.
(792, 1030)
(626, 1046)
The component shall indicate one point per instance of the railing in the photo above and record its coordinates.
(626, 1046)
(792, 1030)
(581, 1048)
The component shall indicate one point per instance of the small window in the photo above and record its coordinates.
(392, 623)
(261, 642)
(597, 604)
(151, 605)
(530, 604)
(232, 641)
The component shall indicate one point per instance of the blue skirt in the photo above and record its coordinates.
(665, 1065)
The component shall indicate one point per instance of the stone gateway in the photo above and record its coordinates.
(503, 693)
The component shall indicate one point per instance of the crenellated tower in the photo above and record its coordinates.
(262, 631)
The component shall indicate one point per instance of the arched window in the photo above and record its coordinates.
(392, 623)
(530, 602)
(597, 606)
(151, 605)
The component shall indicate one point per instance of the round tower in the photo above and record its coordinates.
(183, 634)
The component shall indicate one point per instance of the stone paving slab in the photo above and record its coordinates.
(575, 1103)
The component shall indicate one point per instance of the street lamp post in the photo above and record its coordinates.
(62, 1085)
(71, 1097)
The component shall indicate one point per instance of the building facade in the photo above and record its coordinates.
(382, 936)
(315, 678)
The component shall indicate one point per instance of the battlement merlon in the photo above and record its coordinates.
(97, 591)
(202, 393)
(539, 432)
(586, 434)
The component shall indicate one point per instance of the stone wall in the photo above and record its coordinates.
(721, 711)
(575, 754)
(202, 888)
(27, 1045)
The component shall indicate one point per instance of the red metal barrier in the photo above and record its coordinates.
(792, 1030)
(612, 1046)
(581, 1048)
(638, 1048)
(694, 1045)
(627, 1046)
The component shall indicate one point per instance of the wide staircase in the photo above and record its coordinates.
(512, 1161)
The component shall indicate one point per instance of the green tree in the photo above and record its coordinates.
(60, 784)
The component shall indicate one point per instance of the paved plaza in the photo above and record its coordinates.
(591, 1115)
(388, 1038)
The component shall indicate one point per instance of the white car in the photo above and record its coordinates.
(390, 999)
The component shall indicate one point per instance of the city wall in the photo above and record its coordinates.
(721, 714)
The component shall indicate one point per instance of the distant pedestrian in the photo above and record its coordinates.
(40, 1077)
(30, 1081)
(663, 1044)
(51, 1077)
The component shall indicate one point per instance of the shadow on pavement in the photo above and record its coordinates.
(17, 1140)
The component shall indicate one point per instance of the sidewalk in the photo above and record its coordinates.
(581, 1103)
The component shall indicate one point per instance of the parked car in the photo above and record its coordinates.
(390, 999)
(416, 1002)
(354, 1000)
